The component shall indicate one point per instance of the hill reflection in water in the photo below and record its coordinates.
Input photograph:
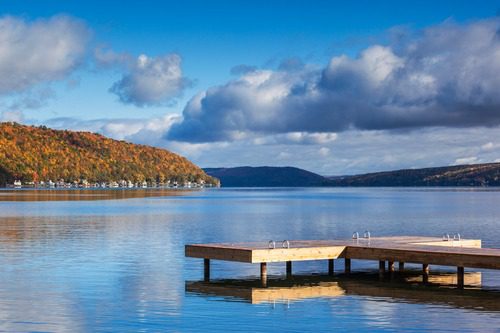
(87, 194)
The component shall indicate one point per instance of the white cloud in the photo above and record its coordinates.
(15, 116)
(149, 131)
(445, 75)
(148, 80)
(39, 51)
(324, 151)
(488, 146)
(312, 138)
(467, 160)
(105, 58)
(284, 155)
(296, 138)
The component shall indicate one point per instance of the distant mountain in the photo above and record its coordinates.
(458, 175)
(266, 177)
(33, 154)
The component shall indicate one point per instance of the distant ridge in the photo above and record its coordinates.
(487, 174)
(266, 177)
(34, 154)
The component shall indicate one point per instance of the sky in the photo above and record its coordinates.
(332, 87)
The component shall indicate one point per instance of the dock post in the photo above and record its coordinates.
(347, 266)
(288, 269)
(390, 266)
(263, 274)
(401, 266)
(206, 269)
(381, 269)
(460, 277)
(330, 267)
(425, 273)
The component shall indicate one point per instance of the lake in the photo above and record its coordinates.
(85, 261)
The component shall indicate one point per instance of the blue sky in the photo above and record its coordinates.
(243, 58)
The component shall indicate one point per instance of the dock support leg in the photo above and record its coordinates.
(330, 267)
(263, 274)
(425, 273)
(460, 277)
(347, 266)
(381, 269)
(288, 269)
(401, 266)
(206, 269)
(390, 266)
(391, 269)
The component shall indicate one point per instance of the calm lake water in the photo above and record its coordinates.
(85, 261)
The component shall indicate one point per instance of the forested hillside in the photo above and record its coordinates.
(266, 176)
(487, 174)
(34, 154)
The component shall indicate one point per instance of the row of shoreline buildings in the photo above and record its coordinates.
(110, 184)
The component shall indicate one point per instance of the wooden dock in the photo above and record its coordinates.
(404, 249)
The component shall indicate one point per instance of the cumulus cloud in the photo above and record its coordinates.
(446, 75)
(300, 138)
(148, 131)
(148, 80)
(40, 51)
(107, 58)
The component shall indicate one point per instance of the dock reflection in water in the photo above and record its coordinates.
(439, 290)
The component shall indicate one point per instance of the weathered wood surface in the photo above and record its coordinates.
(411, 249)
(426, 254)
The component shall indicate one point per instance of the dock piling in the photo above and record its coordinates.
(381, 269)
(288, 269)
(460, 277)
(401, 266)
(206, 269)
(263, 274)
(331, 267)
(347, 266)
(425, 273)
(390, 266)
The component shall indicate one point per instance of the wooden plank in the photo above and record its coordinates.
(208, 252)
(465, 257)
(297, 254)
